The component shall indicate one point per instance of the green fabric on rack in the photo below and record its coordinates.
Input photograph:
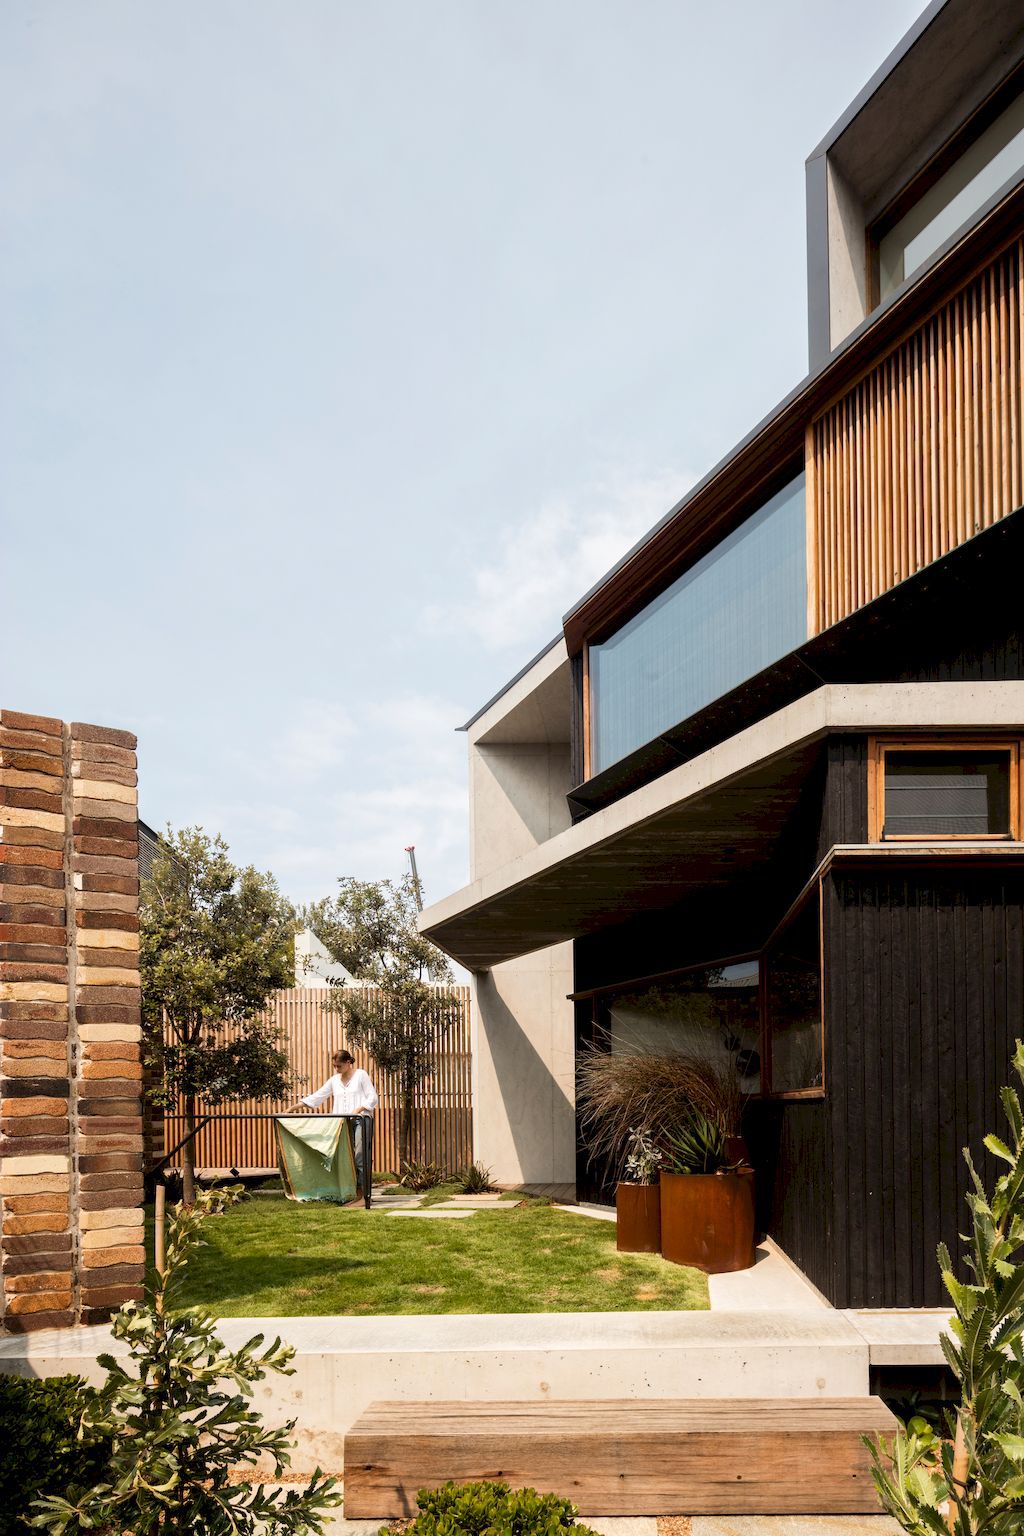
(314, 1154)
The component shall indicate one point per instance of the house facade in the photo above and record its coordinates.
(767, 780)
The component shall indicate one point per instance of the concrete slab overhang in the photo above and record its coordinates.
(696, 828)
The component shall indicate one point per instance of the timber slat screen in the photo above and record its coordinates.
(442, 1130)
(925, 451)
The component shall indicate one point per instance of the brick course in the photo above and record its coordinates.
(71, 1116)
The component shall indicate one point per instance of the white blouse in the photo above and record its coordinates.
(348, 1098)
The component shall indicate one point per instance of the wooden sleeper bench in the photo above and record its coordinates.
(702, 1456)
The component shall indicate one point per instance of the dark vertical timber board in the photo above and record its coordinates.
(844, 810)
(790, 1151)
(924, 994)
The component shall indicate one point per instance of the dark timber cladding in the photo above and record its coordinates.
(923, 984)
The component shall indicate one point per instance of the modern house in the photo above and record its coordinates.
(769, 773)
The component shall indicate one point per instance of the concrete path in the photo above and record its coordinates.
(794, 1525)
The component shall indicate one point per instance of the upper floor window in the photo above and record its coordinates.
(734, 612)
(937, 791)
(993, 157)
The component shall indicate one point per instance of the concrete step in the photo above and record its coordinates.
(343, 1364)
(706, 1456)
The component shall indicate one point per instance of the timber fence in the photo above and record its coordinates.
(309, 1032)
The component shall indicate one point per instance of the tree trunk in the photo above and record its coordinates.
(405, 1122)
(188, 1155)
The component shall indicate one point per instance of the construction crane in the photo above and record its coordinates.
(411, 851)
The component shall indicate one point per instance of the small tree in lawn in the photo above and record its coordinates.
(370, 928)
(179, 1422)
(215, 942)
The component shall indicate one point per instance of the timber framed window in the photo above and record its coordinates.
(986, 153)
(792, 1012)
(760, 1017)
(935, 790)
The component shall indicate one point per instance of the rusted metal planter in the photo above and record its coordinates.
(637, 1218)
(707, 1220)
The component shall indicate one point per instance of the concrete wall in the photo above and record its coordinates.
(523, 1031)
(70, 1026)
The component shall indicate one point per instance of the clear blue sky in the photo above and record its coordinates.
(344, 345)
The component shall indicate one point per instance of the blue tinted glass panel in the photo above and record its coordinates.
(737, 610)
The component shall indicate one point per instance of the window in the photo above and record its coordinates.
(992, 157)
(920, 791)
(714, 1009)
(736, 611)
(761, 1018)
(792, 1006)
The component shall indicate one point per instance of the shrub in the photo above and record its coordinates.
(653, 1094)
(470, 1509)
(421, 1176)
(42, 1454)
(179, 1419)
(476, 1179)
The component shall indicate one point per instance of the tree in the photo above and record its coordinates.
(215, 942)
(178, 1423)
(972, 1483)
(370, 928)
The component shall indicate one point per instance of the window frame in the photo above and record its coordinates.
(598, 996)
(943, 160)
(880, 746)
(795, 912)
(795, 469)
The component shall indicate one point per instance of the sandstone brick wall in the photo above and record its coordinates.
(71, 1221)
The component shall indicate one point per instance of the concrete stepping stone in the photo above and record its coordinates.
(459, 1204)
(431, 1213)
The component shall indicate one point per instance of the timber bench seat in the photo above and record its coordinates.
(652, 1457)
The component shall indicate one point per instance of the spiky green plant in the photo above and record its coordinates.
(180, 1423)
(697, 1147)
(974, 1485)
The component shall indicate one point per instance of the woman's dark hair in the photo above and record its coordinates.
(343, 1056)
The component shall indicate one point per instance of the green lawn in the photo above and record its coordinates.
(270, 1257)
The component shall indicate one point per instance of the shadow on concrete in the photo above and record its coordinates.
(539, 1112)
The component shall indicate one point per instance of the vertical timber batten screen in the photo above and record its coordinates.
(442, 1122)
(925, 451)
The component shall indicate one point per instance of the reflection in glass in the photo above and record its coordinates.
(736, 611)
(947, 794)
(793, 1005)
(995, 157)
(711, 1011)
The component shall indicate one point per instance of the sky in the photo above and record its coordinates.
(345, 345)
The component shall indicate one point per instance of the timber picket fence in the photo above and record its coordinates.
(309, 1032)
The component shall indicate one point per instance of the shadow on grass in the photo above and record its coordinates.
(231, 1278)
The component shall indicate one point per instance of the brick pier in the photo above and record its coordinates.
(71, 1245)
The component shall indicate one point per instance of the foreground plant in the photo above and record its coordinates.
(180, 1423)
(972, 1484)
(492, 1509)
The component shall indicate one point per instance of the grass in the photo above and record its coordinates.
(273, 1258)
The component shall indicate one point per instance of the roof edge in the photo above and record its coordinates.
(511, 682)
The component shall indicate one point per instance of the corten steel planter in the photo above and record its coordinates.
(707, 1220)
(637, 1218)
